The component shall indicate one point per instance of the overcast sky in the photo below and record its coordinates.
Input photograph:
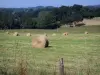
(33, 3)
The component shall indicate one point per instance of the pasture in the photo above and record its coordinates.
(81, 52)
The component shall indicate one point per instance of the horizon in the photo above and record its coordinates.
(56, 3)
(48, 6)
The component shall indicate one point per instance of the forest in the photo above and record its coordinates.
(48, 17)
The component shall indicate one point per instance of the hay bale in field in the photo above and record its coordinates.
(86, 32)
(40, 42)
(53, 34)
(28, 34)
(15, 34)
(66, 33)
(7, 32)
(45, 34)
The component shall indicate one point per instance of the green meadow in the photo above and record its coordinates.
(81, 52)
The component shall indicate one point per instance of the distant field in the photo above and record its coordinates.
(81, 52)
(95, 21)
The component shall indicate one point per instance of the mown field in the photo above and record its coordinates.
(81, 52)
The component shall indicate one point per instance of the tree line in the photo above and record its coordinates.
(44, 17)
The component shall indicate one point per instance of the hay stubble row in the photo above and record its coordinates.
(41, 41)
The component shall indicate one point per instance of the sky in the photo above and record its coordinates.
(34, 3)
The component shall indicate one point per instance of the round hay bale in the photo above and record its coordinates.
(86, 32)
(53, 34)
(66, 33)
(45, 34)
(7, 32)
(28, 34)
(15, 34)
(40, 42)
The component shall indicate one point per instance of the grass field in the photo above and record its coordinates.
(81, 52)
